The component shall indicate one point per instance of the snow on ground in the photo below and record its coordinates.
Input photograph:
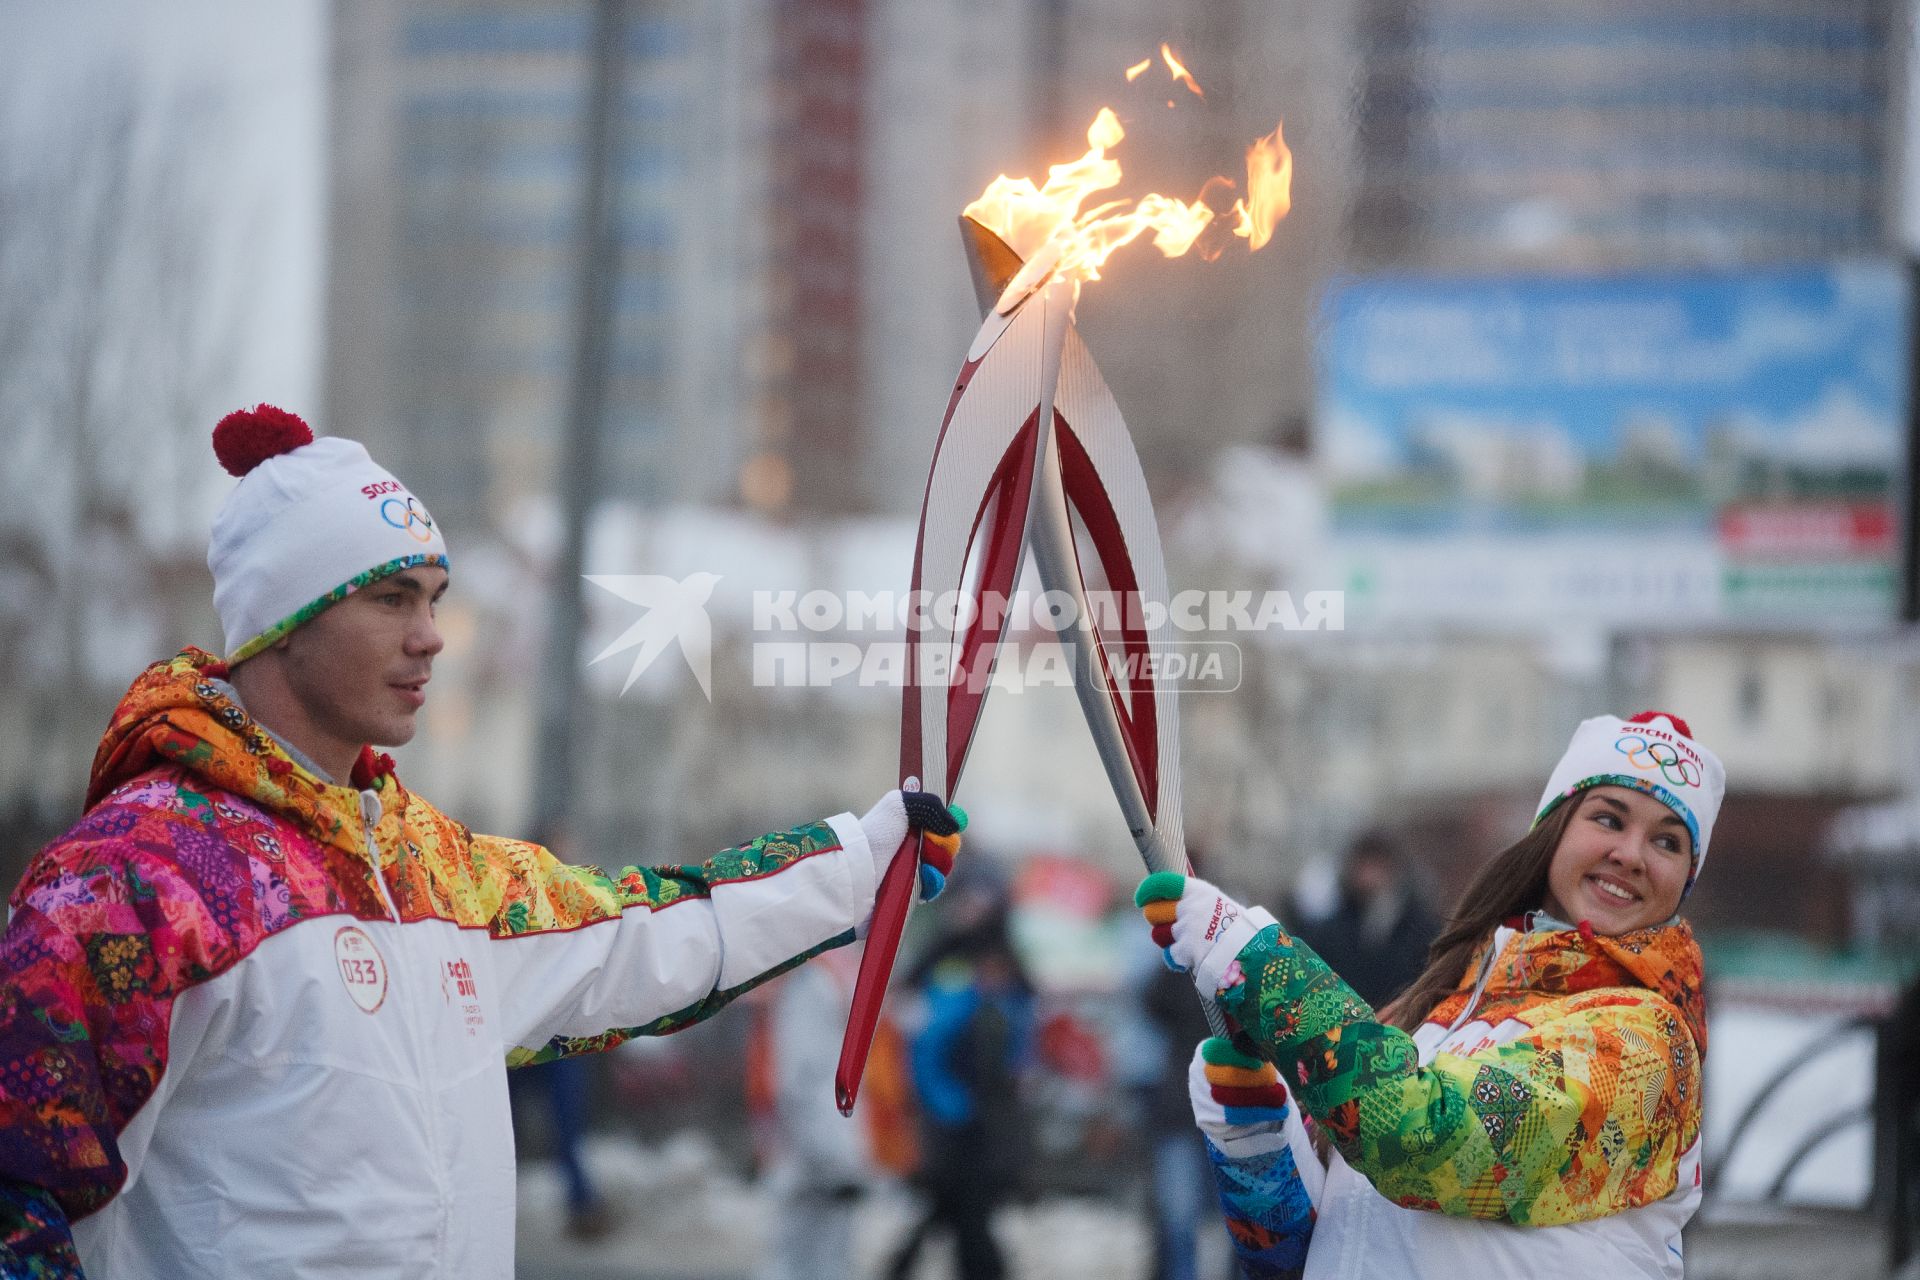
(682, 1215)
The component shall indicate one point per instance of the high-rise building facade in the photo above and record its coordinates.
(791, 302)
(458, 143)
(1595, 133)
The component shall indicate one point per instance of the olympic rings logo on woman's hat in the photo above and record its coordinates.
(1647, 755)
(1663, 759)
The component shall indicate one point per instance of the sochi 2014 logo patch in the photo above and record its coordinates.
(362, 968)
(400, 509)
(1647, 753)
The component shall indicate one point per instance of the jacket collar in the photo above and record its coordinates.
(1527, 965)
(182, 712)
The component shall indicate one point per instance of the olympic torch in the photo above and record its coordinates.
(1031, 439)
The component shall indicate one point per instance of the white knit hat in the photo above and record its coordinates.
(310, 522)
(1653, 752)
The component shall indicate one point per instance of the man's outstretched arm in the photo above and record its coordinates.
(589, 960)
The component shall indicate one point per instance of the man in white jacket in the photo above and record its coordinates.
(260, 1001)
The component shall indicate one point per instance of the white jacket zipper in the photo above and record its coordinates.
(370, 817)
(370, 810)
(1479, 986)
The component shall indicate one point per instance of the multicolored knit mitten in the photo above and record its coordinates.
(940, 827)
(1158, 898)
(1264, 1165)
(937, 860)
(1230, 1089)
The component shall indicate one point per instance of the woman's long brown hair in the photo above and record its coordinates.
(1514, 881)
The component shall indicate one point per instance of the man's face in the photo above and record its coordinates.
(1622, 862)
(360, 669)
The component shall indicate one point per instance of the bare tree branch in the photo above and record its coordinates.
(120, 303)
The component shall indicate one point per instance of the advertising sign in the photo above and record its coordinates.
(1621, 449)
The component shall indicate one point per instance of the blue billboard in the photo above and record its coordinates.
(1707, 447)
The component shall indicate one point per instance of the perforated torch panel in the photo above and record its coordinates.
(1019, 359)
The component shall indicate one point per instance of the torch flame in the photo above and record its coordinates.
(1104, 134)
(1180, 73)
(1270, 186)
(1134, 71)
(1056, 238)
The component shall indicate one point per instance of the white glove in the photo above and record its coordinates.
(886, 825)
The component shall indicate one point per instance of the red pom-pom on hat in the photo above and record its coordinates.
(1648, 717)
(246, 438)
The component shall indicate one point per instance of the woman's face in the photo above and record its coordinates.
(1622, 862)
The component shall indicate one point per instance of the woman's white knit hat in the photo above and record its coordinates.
(310, 522)
(1653, 752)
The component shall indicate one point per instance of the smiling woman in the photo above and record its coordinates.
(1544, 1070)
(1622, 862)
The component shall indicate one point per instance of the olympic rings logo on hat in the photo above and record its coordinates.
(1648, 756)
(412, 518)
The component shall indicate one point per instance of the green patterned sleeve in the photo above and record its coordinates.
(1580, 1119)
(535, 892)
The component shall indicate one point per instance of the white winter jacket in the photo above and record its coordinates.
(257, 1025)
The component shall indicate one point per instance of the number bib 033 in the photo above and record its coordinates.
(362, 968)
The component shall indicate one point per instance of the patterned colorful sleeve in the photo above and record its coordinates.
(1582, 1118)
(537, 893)
(108, 927)
(1268, 1211)
(35, 1243)
(101, 940)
